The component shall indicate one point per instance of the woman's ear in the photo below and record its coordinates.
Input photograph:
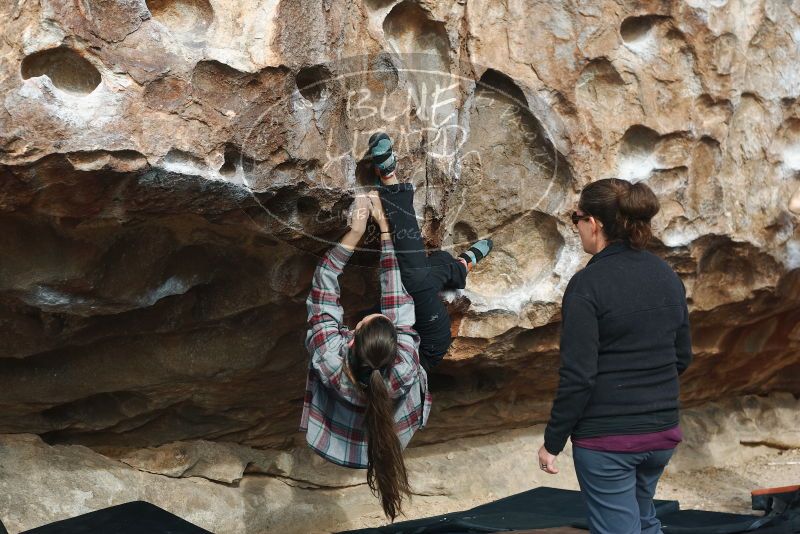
(595, 225)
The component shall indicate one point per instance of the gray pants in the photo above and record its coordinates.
(618, 489)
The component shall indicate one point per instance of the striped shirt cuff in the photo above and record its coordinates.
(339, 256)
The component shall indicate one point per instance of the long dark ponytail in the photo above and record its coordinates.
(375, 349)
(625, 209)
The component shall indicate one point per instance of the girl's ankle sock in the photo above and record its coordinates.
(478, 251)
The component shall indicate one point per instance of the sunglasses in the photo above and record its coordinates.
(577, 217)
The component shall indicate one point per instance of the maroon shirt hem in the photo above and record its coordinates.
(652, 441)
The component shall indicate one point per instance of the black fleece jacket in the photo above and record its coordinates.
(624, 341)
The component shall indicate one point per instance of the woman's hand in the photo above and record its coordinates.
(376, 210)
(359, 216)
(547, 461)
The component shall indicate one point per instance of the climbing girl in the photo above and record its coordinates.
(366, 394)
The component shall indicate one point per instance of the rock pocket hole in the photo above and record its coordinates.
(183, 162)
(385, 72)
(234, 162)
(505, 86)
(789, 141)
(376, 5)
(66, 68)
(464, 234)
(318, 219)
(313, 82)
(600, 84)
(308, 206)
(636, 159)
(424, 48)
(507, 141)
(182, 15)
(794, 202)
(635, 29)
(411, 30)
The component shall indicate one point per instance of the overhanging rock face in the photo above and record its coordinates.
(172, 169)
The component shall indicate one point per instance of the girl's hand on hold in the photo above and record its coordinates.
(359, 214)
(377, 212)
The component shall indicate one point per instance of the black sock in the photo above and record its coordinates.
(478, 255)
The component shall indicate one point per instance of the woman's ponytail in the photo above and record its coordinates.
(386, 470)
(637, 205)
(625, 209)
(375, 349)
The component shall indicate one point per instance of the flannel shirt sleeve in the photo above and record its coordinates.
(398, 305)
(325, 315)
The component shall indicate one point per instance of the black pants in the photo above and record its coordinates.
(423, 276)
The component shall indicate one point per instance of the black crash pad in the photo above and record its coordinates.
(134, 517)
(537, 508)
(706, 522)
(700, 522)
(549, 507)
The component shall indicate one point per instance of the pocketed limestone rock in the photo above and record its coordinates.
(172, 170)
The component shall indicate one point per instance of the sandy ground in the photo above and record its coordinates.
(728, 489)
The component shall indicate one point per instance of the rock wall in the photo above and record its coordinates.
(170, 171)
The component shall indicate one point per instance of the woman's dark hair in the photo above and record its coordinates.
(625, 209)
(375, 349)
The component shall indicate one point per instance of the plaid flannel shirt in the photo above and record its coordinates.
(333, 409)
